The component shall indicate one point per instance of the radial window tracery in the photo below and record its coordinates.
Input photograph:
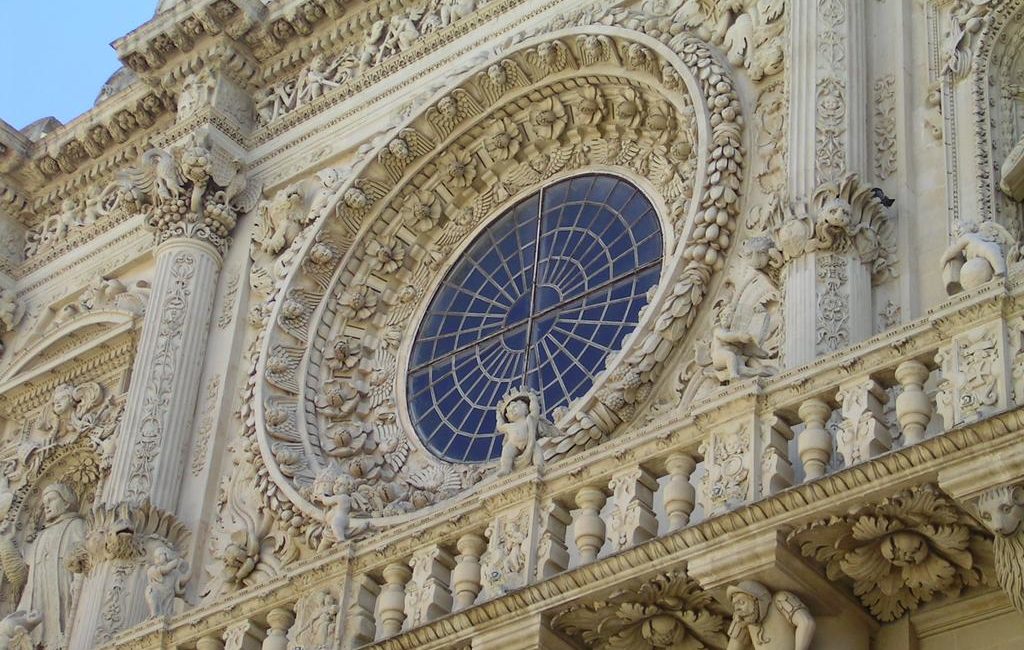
(540, 299)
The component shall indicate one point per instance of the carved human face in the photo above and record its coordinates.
(905, 549)
(744, 608)
(53, 505)
(62, 400)
(497, 75)
(1003, 511)
(399, 148)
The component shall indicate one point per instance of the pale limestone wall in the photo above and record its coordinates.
(179, 263)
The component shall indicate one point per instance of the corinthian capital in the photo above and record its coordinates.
(185, 193)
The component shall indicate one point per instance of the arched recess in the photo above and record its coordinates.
(325, 390)
(984, 108)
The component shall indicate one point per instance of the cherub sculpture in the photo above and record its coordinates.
(520, 421)
(334, 490)
(979, 253)
(166, 576)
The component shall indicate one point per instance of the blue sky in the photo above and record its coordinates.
(56, 54)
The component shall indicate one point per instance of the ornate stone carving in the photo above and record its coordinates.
(726, 481)
(16, 630)
(503, 565)
(316, 621)
(83, 414)
(186, 193)
(768, 621)
(900, 553)
(670, 611)
(883, 127)
(967, 19)
(357, 424)
(978, 253)
(245, 547)
(166, 576)
(48, 586)
(848, 218)
(523, 428)
(1002, 511)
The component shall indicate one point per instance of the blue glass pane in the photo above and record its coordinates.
(490, 288)
(569, 345)
(452, 401)
(586, 243)
(541, 297)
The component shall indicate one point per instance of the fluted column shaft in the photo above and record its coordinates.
(155, 433)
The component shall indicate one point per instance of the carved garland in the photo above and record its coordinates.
(559, 106)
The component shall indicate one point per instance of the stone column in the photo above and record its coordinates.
(829, 272)
(192, 212)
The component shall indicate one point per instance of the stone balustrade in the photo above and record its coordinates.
(685, 477)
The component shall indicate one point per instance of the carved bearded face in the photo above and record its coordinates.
(744, 608)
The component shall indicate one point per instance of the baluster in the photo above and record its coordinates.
(466, 576)
(913, 408)
(814, 444)
(680, 495)
(391, 609)
(278, 621)
(590, 528)
(211, 642)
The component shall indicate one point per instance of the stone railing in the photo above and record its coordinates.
(770, 452)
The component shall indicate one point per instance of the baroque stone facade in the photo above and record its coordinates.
(805, 433)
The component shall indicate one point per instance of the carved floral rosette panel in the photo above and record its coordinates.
(328, 387)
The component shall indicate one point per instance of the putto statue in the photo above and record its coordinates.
(166, 576)
(979, 253)
(49, 587)
(519, 420)
(765, 622)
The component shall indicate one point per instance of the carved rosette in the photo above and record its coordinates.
(902, 552)
(670, 611)
(668, 121)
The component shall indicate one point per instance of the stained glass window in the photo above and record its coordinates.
(540, 299)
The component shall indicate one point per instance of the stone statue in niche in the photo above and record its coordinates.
(520, 421)
(50, 588)
(979, 253)
(166, 576)
(763, 621)
(1002, 511)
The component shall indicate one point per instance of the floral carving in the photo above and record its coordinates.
(670, 611)
(900, 553)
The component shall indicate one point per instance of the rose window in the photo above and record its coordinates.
(539, 299)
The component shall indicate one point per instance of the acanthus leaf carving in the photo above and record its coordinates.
(901, 552)
(670, 611)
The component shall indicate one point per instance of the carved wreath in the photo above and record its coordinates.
(326, 386)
